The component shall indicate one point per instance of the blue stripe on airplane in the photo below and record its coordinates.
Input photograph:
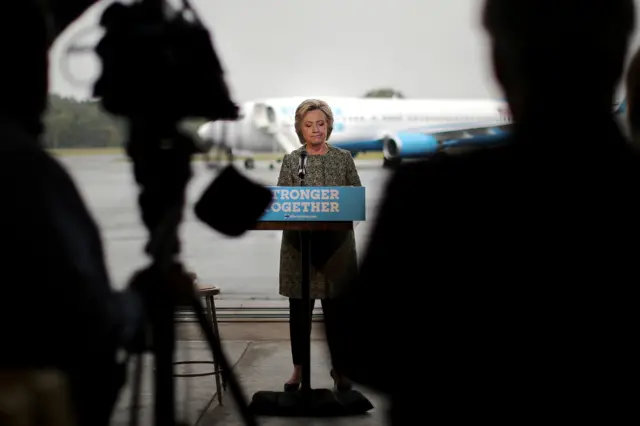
(341, 126)
(450, 127)
(355, 146)
(377, 145)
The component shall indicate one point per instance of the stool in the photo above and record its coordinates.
(209, 293)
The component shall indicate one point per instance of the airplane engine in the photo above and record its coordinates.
(409, 145)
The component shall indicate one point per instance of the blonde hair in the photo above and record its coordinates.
(312, 105)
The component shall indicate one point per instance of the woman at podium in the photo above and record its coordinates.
(333, 253)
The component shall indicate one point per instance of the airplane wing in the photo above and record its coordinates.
(427, 140)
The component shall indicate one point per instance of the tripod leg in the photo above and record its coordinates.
(164, 341)
(211, 313)
(134, 417)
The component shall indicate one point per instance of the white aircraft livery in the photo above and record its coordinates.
(400, 128)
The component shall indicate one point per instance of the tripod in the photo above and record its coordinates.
(162, 174)
(158, 69)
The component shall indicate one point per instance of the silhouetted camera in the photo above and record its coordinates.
(156, 71)
(157, 66)
(159, 70)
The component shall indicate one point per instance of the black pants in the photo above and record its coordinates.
(296, 330)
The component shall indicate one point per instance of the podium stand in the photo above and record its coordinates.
(308, 402)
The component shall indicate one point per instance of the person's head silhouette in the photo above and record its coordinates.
(569, 52)
(632, 89)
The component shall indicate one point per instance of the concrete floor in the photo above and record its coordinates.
(260, 365)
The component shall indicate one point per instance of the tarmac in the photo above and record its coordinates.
(245, 268)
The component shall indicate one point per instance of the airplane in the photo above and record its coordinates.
(399, 128)
(240, 136)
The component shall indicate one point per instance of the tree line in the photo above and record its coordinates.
(72, 123)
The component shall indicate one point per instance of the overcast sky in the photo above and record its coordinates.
(272, 48)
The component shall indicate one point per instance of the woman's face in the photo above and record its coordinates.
(314, 127)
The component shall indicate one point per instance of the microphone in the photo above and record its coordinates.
(302, 168)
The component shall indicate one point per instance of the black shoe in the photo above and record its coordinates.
(291, 387)
(341, 383)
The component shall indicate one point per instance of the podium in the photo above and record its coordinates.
(307, 209)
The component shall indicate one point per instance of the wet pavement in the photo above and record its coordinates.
(246, 268)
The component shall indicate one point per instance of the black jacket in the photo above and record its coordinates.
(502, 281)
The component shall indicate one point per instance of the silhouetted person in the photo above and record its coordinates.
(632, 91)
(57, 307)
(498, 285)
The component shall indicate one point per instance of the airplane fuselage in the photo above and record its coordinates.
(360, 124)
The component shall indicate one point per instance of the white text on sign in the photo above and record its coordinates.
(295, 200)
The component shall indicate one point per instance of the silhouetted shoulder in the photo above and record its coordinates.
(526, 160)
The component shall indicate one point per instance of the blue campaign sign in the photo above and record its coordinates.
(316, 203)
